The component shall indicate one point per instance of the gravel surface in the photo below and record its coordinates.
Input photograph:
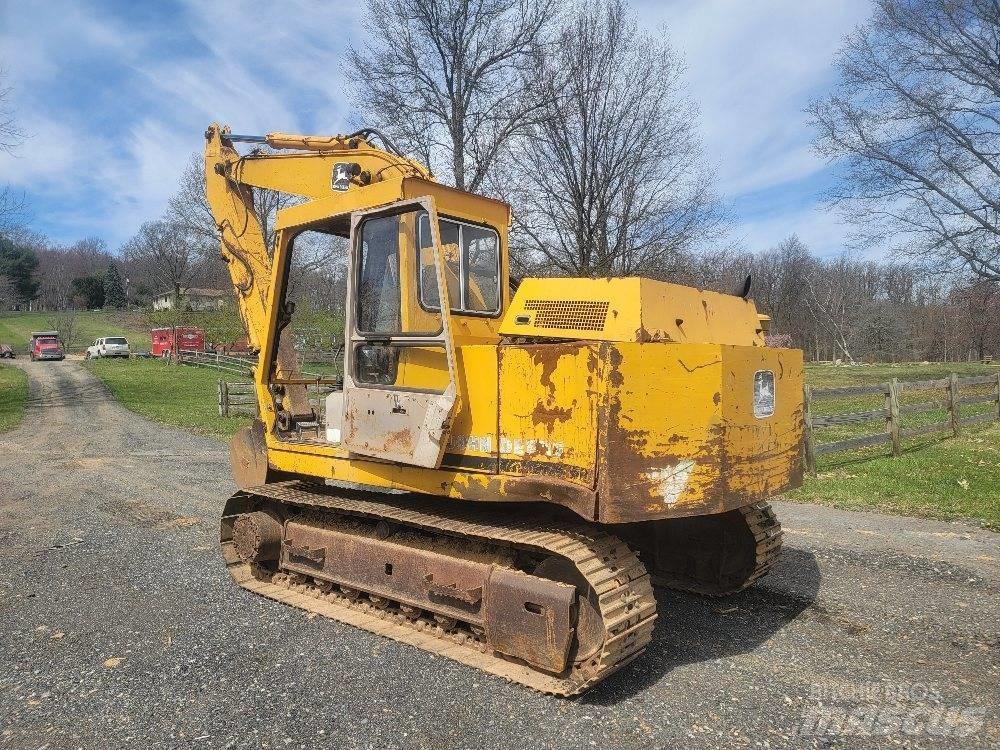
(119, 626)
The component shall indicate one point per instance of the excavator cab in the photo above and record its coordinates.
(406, 274)
(399, 364)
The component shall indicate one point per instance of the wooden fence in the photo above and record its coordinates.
(892, 412)
(244, 365)
(216, 361)
(238, 398)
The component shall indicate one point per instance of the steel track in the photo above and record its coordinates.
(622, 586)
(763, 525)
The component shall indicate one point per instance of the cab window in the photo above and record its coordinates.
(472, 267)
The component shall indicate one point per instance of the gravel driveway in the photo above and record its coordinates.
(119, 626)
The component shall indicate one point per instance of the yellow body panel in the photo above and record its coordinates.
(472, 444)
(619, 432)
(550, 398)
(681, 438)
(630, 309)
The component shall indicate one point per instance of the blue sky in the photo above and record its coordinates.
(114, 97)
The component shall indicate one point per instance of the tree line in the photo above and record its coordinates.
(580, 118)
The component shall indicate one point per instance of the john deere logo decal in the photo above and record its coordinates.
(763, 394)
(342, 176)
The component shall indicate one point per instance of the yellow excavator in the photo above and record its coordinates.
(498, 475)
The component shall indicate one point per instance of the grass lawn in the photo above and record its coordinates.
(185, 397)
(937, 476)
(13, 394)
(944, 478)
(829, 376)
(15, 328)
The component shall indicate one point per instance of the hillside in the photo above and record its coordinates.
(15, 328)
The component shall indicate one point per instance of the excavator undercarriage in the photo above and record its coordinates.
(549, 603)
(499, 477)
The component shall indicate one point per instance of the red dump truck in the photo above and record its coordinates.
(46, 345)
(166, 340)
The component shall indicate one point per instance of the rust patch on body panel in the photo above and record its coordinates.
(550, 393)
(549, 415)
(537, 489)
(579, 499)
(547, 356)
(399, 440)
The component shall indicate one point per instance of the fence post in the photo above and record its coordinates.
(998, 395)
(953, 403)
(892, 414)
(810, 456)
(223, 398)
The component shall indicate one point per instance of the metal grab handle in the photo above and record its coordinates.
(451, 591)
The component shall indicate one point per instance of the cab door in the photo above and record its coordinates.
(399, 362)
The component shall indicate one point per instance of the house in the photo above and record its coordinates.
(192, 299)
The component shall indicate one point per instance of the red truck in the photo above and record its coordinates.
(166, 340)
(46, 345)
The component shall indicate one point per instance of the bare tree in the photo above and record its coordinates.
(64, 321)
(170, 255)
(779, 288)
(978, 303)
(11, 136)
(610, 179)
(189, 208)
(451, 79)
(914, 126)
(59, 266)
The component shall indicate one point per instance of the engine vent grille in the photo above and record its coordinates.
(576, 315)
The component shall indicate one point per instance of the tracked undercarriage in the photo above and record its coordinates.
(551, 605)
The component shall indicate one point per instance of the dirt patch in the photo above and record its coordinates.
(148, 515)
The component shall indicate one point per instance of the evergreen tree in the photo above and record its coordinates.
(114, 290)
(88, 292)
(19, 264)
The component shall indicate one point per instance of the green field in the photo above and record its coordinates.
(946, 478)
(937, 476)
(830, 376)
(177, 395)
(13, 394)
(16, 328)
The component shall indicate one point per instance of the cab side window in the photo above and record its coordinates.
(472, 266)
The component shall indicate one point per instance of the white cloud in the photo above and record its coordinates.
(821, 230)
(39, 39)
(50, 153)
(752, 68)
(222, 61)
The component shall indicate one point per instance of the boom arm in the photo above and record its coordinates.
(311, 169)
